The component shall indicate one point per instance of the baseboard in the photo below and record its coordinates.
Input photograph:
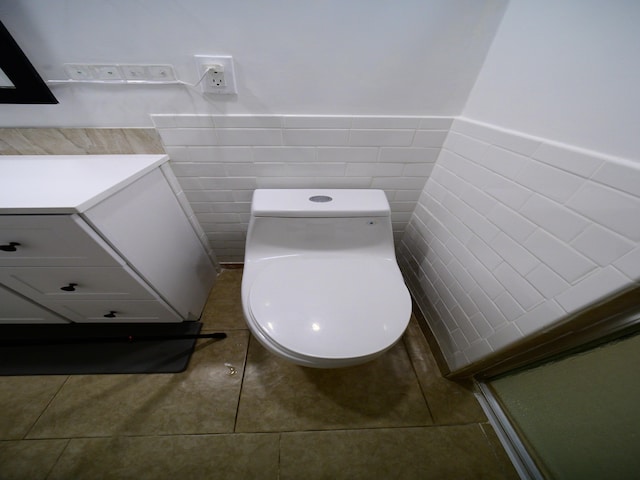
(231, 265)
(431, 339)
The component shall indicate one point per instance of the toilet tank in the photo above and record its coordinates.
(319, 222)
(319, 203)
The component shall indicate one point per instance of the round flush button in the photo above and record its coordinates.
(320, 198)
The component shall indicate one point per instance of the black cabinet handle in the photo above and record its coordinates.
(10, 248)
(111, 314)
(69, 288)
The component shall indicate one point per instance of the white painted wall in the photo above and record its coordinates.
(567, 71)
(356, 57)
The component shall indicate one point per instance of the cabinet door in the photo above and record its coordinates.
(51, 240)
(146, 225)
(16, 309)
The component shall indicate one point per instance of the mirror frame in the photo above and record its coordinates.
(29, 86)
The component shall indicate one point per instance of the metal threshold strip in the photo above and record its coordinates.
(518, 454)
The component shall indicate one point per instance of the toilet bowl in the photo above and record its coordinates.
(321, 286)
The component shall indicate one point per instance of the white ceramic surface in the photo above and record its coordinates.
(324, 292)
(319, 203)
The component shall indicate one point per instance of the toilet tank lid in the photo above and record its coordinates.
(319, 203)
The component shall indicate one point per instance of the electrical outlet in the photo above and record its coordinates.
(214, 77)
(134, 73)
(161, 73)
(125, 73)
(106, 72)
(216, 74)
(78, 72)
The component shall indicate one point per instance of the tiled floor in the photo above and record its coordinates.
(395, 417)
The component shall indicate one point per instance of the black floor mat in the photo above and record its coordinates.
(96, 348)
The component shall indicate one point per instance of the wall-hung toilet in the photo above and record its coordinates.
(321, 286)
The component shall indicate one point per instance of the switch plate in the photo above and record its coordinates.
(216, 82)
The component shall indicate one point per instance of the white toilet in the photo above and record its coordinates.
(321, 286)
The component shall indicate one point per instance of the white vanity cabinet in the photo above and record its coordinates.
(97, 239)
(17, 309)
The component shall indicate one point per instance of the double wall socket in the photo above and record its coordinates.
(216, 74)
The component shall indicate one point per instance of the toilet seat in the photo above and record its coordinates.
(368, 312)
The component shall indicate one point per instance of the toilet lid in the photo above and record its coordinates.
(331, 308)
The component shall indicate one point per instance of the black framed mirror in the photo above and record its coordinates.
(19, 81)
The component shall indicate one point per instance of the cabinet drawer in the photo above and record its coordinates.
(51, 240)
(122, 311)
(16, 309)
(76, 283)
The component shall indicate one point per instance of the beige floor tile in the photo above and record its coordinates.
(450, 402)
(370, 421)
(22, 400)
(203, 399)
(173, 457)
(280, 396)
(223, 310)
(223, 318)
(452, 452)
(230, 279)
(29, 459)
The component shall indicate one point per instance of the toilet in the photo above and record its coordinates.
(321, 286)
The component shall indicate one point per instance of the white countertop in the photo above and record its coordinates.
(31, 184)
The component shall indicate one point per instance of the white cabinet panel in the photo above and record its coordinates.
(51, 240)
(16, 309)
(147, 226)
(77, 283)
(117, 311)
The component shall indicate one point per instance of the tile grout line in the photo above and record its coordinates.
(24, 437)
(279, 455)
(251, 433)
(353, 429)
(415, 372)
(66, 445)
(244, 369)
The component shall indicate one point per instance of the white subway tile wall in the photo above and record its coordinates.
(513, 233)
(220, 159)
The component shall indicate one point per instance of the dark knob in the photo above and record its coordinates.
(70, 288)
(10, 248)
(111, 314)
